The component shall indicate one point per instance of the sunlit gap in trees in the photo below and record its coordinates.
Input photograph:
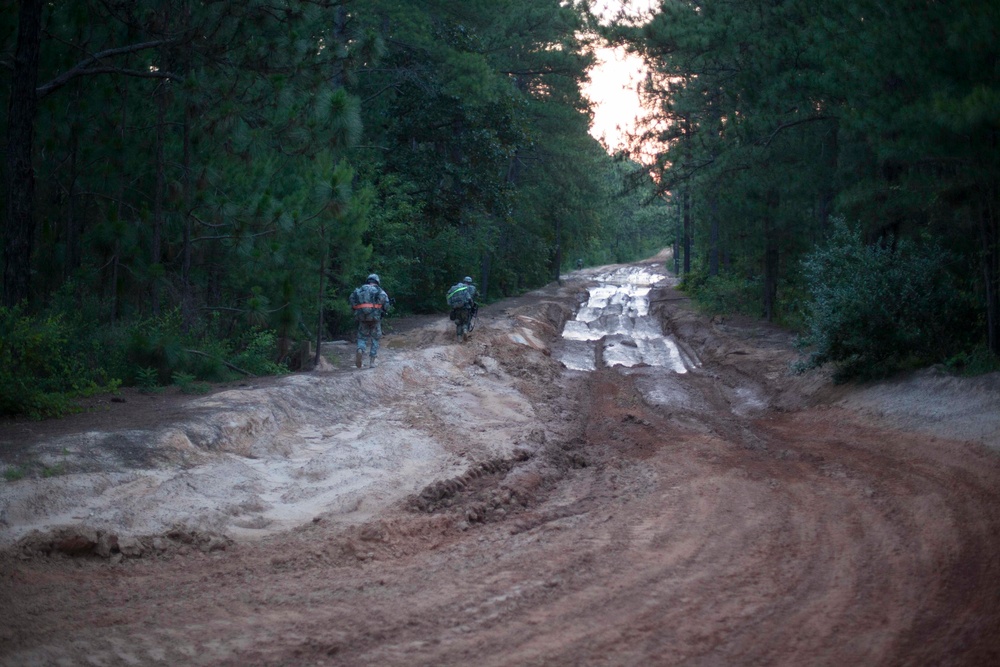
(620, 118)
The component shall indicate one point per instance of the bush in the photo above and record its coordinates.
(976, 361)
(876, 310)
(155, 343)
(46, 361)
(162, 345)
(40, 371)
(258, 354)
(724, 294)
(187, 384)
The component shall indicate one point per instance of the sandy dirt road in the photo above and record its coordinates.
(490, 506)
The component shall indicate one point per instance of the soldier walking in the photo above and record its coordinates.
(369, 303)
(462, 299)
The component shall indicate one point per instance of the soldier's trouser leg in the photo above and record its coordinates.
(461, 322)
(363, 337)
(376, 335)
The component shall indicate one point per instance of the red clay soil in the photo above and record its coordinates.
(631, 532)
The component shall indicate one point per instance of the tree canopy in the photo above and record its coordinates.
(776, 116)
(185, 176)
(219, 168)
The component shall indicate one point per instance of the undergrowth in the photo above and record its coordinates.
(48, 361)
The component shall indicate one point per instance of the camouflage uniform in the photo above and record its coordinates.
(462, 315)
(369, 329)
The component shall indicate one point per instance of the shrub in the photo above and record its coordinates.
(187, 384)
(39, 371)
(724, 294)
(155, 343)
(46, 361)
(258, 354)
(975, 361)
(875, 310)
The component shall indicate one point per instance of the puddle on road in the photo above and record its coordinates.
(614, 327)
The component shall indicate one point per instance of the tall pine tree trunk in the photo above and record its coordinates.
(71, 261)
(159, 190)
(713, 244)
(771, 256)
(831, 151)
(187, 298)
(677, 238)
(319, 299)
(187, 186)
(989, 233)
(19, 184)
(117, 247)
(687, 230)
(558, 257)
(484, 273)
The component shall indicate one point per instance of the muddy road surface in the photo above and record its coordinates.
(599, 476)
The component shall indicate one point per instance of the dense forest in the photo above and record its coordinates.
(192, 188)
(835, 167)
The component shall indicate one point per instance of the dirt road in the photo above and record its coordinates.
(483, 504)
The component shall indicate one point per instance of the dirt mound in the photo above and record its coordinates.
(479, 503)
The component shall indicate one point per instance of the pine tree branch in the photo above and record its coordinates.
(784, 126)
(231, 236)
(86, 67)
(228, 365)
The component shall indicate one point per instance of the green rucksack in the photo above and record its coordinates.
(365, 302)
(459, 297)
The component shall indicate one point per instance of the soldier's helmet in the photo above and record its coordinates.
(467, 279)
(373, 278)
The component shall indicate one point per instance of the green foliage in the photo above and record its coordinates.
(774, 118)
(724, 294)
(48, 361)
(147, 379)
(256, 353)
(876, 310)
(187, 384)
(193, 220)
(489, 169)
(40, 371)
(13, 473)
(160, 351)
(53, 470)
(977, 361)
(155, 343)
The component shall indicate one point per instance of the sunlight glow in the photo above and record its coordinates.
(615, 78)
(613, 90)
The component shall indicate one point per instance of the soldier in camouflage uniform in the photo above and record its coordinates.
(462, 299)
(370, 303)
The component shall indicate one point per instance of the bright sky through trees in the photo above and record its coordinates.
(614, 80)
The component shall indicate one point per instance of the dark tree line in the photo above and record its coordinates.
(218, 167)
(779, 116)
(181, 152)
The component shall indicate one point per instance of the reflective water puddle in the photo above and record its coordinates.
(614, 327)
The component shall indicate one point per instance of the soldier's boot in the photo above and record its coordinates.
(371, 361)
(357, 357)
